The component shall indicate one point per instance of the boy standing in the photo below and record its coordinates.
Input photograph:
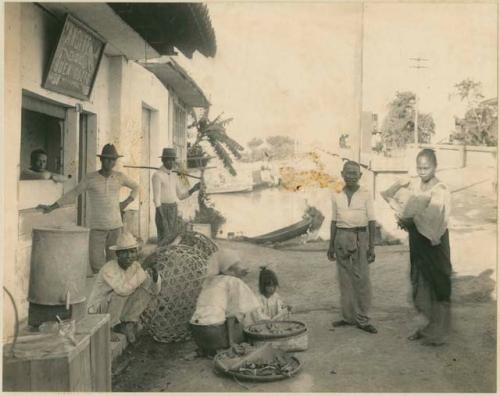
(352, 245)
(167, 191)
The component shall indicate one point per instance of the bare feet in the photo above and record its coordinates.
(415, 336)
(430, 342)
(341, 323)
(368, 328)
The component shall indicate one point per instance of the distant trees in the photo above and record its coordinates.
(276, 147)
(479, 125)
(399, 124)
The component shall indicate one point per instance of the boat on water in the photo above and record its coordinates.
(311, 221)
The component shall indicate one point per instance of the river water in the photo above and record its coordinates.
(259, 212)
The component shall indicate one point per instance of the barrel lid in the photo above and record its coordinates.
(61, 228)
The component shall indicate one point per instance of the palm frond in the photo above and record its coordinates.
(223, 155)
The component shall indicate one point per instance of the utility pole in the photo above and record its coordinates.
(417, 63)
(356, 151)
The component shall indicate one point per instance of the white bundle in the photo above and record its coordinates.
(402, 199)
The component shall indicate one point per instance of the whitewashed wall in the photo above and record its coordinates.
(121, 89)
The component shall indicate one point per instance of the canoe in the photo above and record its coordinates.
(283, 234)
(228, 189)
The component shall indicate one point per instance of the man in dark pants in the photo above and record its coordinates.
(104, 220)
(167, 190)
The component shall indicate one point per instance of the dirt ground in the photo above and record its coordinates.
(348, 359)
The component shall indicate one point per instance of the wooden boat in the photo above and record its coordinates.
(311, 221)
(283, 234)
(230, 188)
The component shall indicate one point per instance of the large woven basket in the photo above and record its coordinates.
(182, 269)
(200, 241)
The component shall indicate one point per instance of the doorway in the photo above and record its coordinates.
(145, 180)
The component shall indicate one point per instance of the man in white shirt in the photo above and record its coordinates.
(352, 245)
(167, 190)
(123, 289)
(104, 219)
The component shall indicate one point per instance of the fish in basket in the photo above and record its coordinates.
(286, 335)
(259, 364)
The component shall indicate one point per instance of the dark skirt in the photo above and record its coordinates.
(212, 338)
(431, 284)
(432, 263)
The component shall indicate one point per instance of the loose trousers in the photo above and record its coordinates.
(353, 270)
(99, 244)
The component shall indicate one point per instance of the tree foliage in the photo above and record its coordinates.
(214, 132)
(479, 125)
(398, 127)
(254, 143)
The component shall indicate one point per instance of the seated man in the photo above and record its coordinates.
(38, 171)
(123, 289)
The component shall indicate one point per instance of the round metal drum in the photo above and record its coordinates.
(59, 261)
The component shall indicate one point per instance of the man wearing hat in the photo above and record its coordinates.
(167, 190)
(123, 289)
(104, 218)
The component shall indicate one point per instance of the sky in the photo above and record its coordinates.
(295, 68)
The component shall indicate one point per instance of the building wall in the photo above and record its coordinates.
(121, 89)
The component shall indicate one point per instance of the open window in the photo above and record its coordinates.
(42, 128)
(179, 130)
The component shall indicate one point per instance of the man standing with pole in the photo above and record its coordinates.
(167, 190)
(105, 221)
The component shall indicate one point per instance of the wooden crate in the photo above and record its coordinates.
(97, 327)
(52, 364)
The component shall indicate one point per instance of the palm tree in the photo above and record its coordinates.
(213, 132)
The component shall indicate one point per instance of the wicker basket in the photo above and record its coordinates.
(182, 269)
(199, 241)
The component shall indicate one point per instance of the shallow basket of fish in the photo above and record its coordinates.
(268, 330)
(257, 364)
(183, 270)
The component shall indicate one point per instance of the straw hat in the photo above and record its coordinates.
(125, 241)
(109, 151)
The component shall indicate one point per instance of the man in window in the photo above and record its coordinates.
(167, 190)
(105, 221)
(38, 171)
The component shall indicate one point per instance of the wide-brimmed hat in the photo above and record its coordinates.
(125, 241)
(169, 152)
(109, 151)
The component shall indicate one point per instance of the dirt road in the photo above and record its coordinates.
(347, 359)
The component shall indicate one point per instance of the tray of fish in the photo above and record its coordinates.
(262, 364)
(275, 329)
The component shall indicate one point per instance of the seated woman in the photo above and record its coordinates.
(38, 171)
(273, 306)
(225, 304)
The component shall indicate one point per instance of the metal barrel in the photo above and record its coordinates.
(59, 261)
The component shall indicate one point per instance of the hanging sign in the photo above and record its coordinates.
(75, 61)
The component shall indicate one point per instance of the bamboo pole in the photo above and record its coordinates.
(152, 167)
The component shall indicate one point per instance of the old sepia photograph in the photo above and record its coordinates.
(252, 196)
